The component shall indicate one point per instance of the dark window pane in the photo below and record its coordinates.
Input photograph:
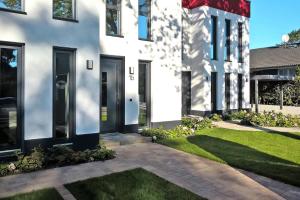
(11, 4)
(63, 9)
(113, 17)
(143, 92)
(8, 97)
(240, 45)
(62, 100)
(104, 97)
(214, 32)
(144, 19)
(227, 91)
(227, 49)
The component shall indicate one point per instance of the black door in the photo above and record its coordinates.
(240, 91)
(214, 92)
(10, 97)
(227, 91)
(110, 95)
(186, 93)
(144, 95)
(64, 97)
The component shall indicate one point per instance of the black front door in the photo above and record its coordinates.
(240, 92)
(186, 93)
(64, 84)
(10, 97)
(110, 95)
(214, 92)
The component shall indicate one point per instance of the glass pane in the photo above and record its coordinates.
(62, 100)
(11, 4)
(142, 95)
(112, 22)
(104, 97)
(144, 19)
(63, 8)
(112, 2)
(8, 97)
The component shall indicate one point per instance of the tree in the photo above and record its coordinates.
(297, 85)
(294, 35)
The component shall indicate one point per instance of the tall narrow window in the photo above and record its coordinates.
(240, 45)
(144, 19)
(227, 49)
(113, 17)
(64, 9)
(214, 33)
(10, 66)
(227, 91)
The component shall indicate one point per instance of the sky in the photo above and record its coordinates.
(270, 19)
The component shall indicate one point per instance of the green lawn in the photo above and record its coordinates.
(136, 184)
(275, 155)
(47, 194)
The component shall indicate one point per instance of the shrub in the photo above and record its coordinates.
(238, 115)
(188, 128)
(197, 124)
(52, 157)
(216, 118)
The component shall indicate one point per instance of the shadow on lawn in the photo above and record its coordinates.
(247, 158)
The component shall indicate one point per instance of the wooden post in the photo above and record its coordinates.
(281, 97)
(256, 96)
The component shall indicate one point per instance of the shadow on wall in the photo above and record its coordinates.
(39, 33)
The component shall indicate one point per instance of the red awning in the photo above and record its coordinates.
(239, 7)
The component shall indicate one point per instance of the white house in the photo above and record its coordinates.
(216, 56)
(71, 69)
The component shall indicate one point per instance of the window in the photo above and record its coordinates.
(64, 9)
(227, 49)
(240, 45)
(113, 17)
(144, 19)
(13, 5)
(213, 43)
(227, 91)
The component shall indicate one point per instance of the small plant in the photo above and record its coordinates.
(216, 118)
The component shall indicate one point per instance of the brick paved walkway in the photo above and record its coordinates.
(203, 177)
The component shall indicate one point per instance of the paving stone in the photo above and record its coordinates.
(203, 177)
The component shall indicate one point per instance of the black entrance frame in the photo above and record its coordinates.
(121, 85)
(72, 109)
(20, 100)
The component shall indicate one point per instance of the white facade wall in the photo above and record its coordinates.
(164, 52)
(40, 33)
(197, 58)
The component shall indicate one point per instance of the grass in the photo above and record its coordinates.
(275, 155)
(129, 185)
(46, 194)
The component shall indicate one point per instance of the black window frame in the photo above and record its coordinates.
(214, 38)
(21, 11)
(227, 49)
(227, 91)
(118, 8)
(240, 42)
(74, 13)
(149, 22)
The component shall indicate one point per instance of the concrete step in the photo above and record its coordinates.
(112, 140)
